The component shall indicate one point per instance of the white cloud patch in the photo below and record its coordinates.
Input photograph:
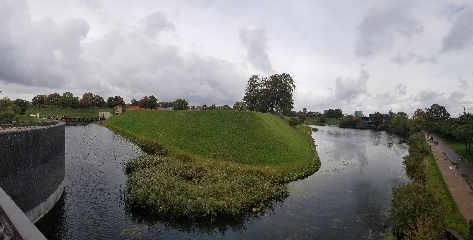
(381, 25)
(255, 43)
(460, 35)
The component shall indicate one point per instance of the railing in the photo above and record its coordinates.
(14, 224)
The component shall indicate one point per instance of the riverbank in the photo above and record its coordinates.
(457, 174)
(250, 153)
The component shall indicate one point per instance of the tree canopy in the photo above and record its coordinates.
(270, 94)
(180, 104)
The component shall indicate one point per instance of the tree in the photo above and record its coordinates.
(99, 102)
(54, 100)
(150, 102)
(8, 111)
(417, 123)
(253, 94)
(270, 94)
(240, 106)
(134, 102)
(115, 101)
(22, 105)
(67, 99)
(436, 113)
(376, 119)
(87, 100)
(110, 102)
(334, 113)
(180, 104)
(338, 113)
(463, 131)
(39, 100)
(419, 113)
(301, 116)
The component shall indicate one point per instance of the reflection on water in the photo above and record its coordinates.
(345, 199)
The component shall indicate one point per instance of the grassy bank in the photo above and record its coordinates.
(460, 149)
(59, 112)
(424, 208)
(328, 121)
(206, 164)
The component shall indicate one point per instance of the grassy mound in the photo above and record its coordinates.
(257, 139)
(212, 164)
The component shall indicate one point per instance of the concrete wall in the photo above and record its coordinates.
(32, 166)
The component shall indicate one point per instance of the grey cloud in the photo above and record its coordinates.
(401, 59)
(453, 101)
(348, 89)
(255, 43)
(456, 97)
(52, 57)
(345, 95)
(381, 25)
(463, 83)
(428, 96)
(156, 23)
(35, 53)
(134, 67)
(460, 35)
(401, 89)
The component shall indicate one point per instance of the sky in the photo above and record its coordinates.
(353, 55)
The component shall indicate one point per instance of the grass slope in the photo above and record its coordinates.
(258, 139)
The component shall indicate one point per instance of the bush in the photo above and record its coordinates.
(294, 121)
(418, 212)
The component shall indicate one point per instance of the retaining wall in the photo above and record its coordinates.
(32, 166)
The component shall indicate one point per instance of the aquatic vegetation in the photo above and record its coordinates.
(197, 189)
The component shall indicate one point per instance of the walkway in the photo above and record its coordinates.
(457, 174)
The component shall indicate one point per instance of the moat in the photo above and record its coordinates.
(348, 198)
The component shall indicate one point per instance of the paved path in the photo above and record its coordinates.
(457, 174)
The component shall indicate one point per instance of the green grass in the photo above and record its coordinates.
(328, 122)
(212, 164)
(460, 149)
(455, 220)
(258, 139)
(59, 112)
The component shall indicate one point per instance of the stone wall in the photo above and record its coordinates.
(32, 166)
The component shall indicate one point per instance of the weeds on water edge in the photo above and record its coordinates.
(197, 188)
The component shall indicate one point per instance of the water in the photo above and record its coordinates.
(346, 199)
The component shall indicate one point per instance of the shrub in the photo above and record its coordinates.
(294, 121)
(418, 212)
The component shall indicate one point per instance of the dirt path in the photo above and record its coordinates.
(457, 174)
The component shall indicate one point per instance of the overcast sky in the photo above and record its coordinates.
(365, 55)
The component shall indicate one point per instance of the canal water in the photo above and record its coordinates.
(347, 198)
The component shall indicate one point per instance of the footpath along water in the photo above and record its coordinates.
(346, 199)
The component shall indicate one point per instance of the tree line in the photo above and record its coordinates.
(433, 119)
